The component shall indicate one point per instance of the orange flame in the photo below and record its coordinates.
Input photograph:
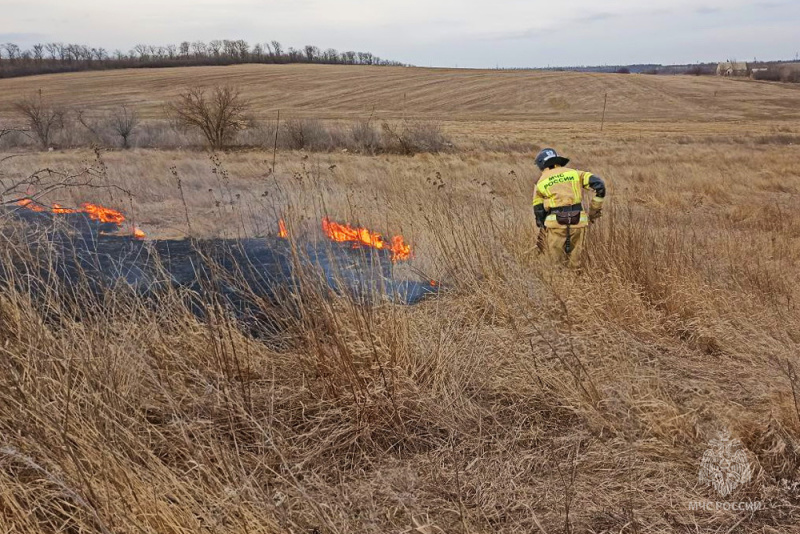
(400, 250)
(282, 229)
(99, 213)
(60, 209)
(30, 204)
(93, 211)
(344, 233)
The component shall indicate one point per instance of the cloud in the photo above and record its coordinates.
(705, 10)
(425, 32)
(594, 17)
(771, 5)
(22, 38)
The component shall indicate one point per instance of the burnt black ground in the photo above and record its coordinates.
(74, 254)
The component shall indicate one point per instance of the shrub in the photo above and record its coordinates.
(365, 137)
(791, 75)
(218, 115)
(699, 70)
(43, 120)
(778, 74)
(123, 123)
(306, 134)
(410, 138)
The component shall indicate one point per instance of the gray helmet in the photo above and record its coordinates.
(548, 158)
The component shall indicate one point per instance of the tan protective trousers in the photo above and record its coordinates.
(555, 241)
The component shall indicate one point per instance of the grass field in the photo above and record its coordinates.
(525, 398)
(440, 94)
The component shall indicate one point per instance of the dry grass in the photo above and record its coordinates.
(523, 399)
(329, 91)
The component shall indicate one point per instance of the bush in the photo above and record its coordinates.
(410, 138)
(361, 136)
(787, 74)
(43, 120)
(218, 115)
(123, 123)
(308, 134)
(699, 70)
(365, 137)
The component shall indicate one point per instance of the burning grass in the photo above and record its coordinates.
(94, 212)
(521, 400)
(344, 233)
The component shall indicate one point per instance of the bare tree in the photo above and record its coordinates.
(52, 49)
(124, 122)
(12, 51)
(218, 114)
(199, 48)
(43, 120)
(311, 52)
(141, 50)
(331, 55)
(241, 48)
(59, 57)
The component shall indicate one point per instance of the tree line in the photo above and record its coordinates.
(44, 58)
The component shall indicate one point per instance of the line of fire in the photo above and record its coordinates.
(100, 248)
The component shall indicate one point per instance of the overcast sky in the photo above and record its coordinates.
(465, 33)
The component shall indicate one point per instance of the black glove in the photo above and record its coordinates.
(541, 214)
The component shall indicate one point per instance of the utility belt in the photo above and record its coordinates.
(567, 215)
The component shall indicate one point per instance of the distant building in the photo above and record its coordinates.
(732, 68)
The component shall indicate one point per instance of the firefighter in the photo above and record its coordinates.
(560, 216)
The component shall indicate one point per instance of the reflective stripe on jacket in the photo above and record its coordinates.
(560, 188)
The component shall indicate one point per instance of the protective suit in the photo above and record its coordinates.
(557, 205)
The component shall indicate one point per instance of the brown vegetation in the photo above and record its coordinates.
(124, 123)
(779, 73)
(42, 119)
(522, 399)
(218, 113)
(444, 95)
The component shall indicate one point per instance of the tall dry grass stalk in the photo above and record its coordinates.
(525, 398)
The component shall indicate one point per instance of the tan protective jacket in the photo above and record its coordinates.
(561, 188)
